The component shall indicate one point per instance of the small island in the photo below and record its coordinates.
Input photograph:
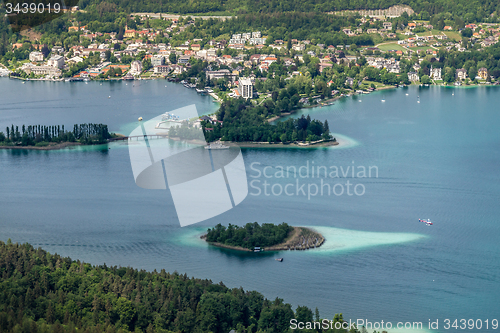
(266, 237)
(53, 137)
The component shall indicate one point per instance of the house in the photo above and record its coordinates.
(435, 73)
(57, 50)
(245, 87)
(136, 67)
(461, 74)
(195, 47)
(183, 59)
(36, 56)
(412, 25)
(387, 25)
(349, 81)
(75, 60)
(447, 28)
(269, 60)
(482, 73)
(413, 76)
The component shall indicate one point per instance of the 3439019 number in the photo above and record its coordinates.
(32, 8)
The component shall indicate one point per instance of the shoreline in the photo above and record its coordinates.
(299, 239)
(49, 147)
(248, 144)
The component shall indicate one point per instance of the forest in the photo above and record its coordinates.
(249, 236)
(475, 9)
(40, 135)
(243, 122)
(43, 292)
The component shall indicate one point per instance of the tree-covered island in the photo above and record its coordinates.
(268, 236)
(239, 120)
(53, 137)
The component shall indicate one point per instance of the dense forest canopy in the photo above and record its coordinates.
(249, 236)
(41, 292)
(478, 8)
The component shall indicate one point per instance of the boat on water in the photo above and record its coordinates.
(279, 259)
(200, 90)
(168, 117)
(427, 221)
(216, 145)
(383, 101)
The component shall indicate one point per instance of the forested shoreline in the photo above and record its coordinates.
(243, 122)
(41, 135)
(43, 292)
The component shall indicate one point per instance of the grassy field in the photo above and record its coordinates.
(419, 48)
(391, 46)
(453, 35)
(430, 33)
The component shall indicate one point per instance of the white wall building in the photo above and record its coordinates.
(36, 56)
(157, 60)
(245, 87)
(56, 61)
(136, 67)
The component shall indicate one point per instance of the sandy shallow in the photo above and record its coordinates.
(337, 240)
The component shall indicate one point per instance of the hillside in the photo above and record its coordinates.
(42, 292)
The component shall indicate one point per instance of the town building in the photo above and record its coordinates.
(157, 60)
(136, 67)
(36, 56)
(245, 87)
(56, 61)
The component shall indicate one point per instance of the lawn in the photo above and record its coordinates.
(392, 46)
(453, 35)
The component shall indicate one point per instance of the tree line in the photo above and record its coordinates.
(37, 134)
(42, 292)
(249, 236)
(244, 122)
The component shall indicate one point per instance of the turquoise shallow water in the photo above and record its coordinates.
(436, 159)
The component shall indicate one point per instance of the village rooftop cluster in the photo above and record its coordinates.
(248, 57)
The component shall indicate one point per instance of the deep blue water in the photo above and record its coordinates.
(436, 159)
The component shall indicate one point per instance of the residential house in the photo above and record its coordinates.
(461, 74)
(435, 73)
(36, 56)
(482, 73)
(413, 76)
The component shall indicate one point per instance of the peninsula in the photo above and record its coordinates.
(268, 237)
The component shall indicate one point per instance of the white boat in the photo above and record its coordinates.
(216, 145)
(383, 101)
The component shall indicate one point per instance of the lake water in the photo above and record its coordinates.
(435, 159)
